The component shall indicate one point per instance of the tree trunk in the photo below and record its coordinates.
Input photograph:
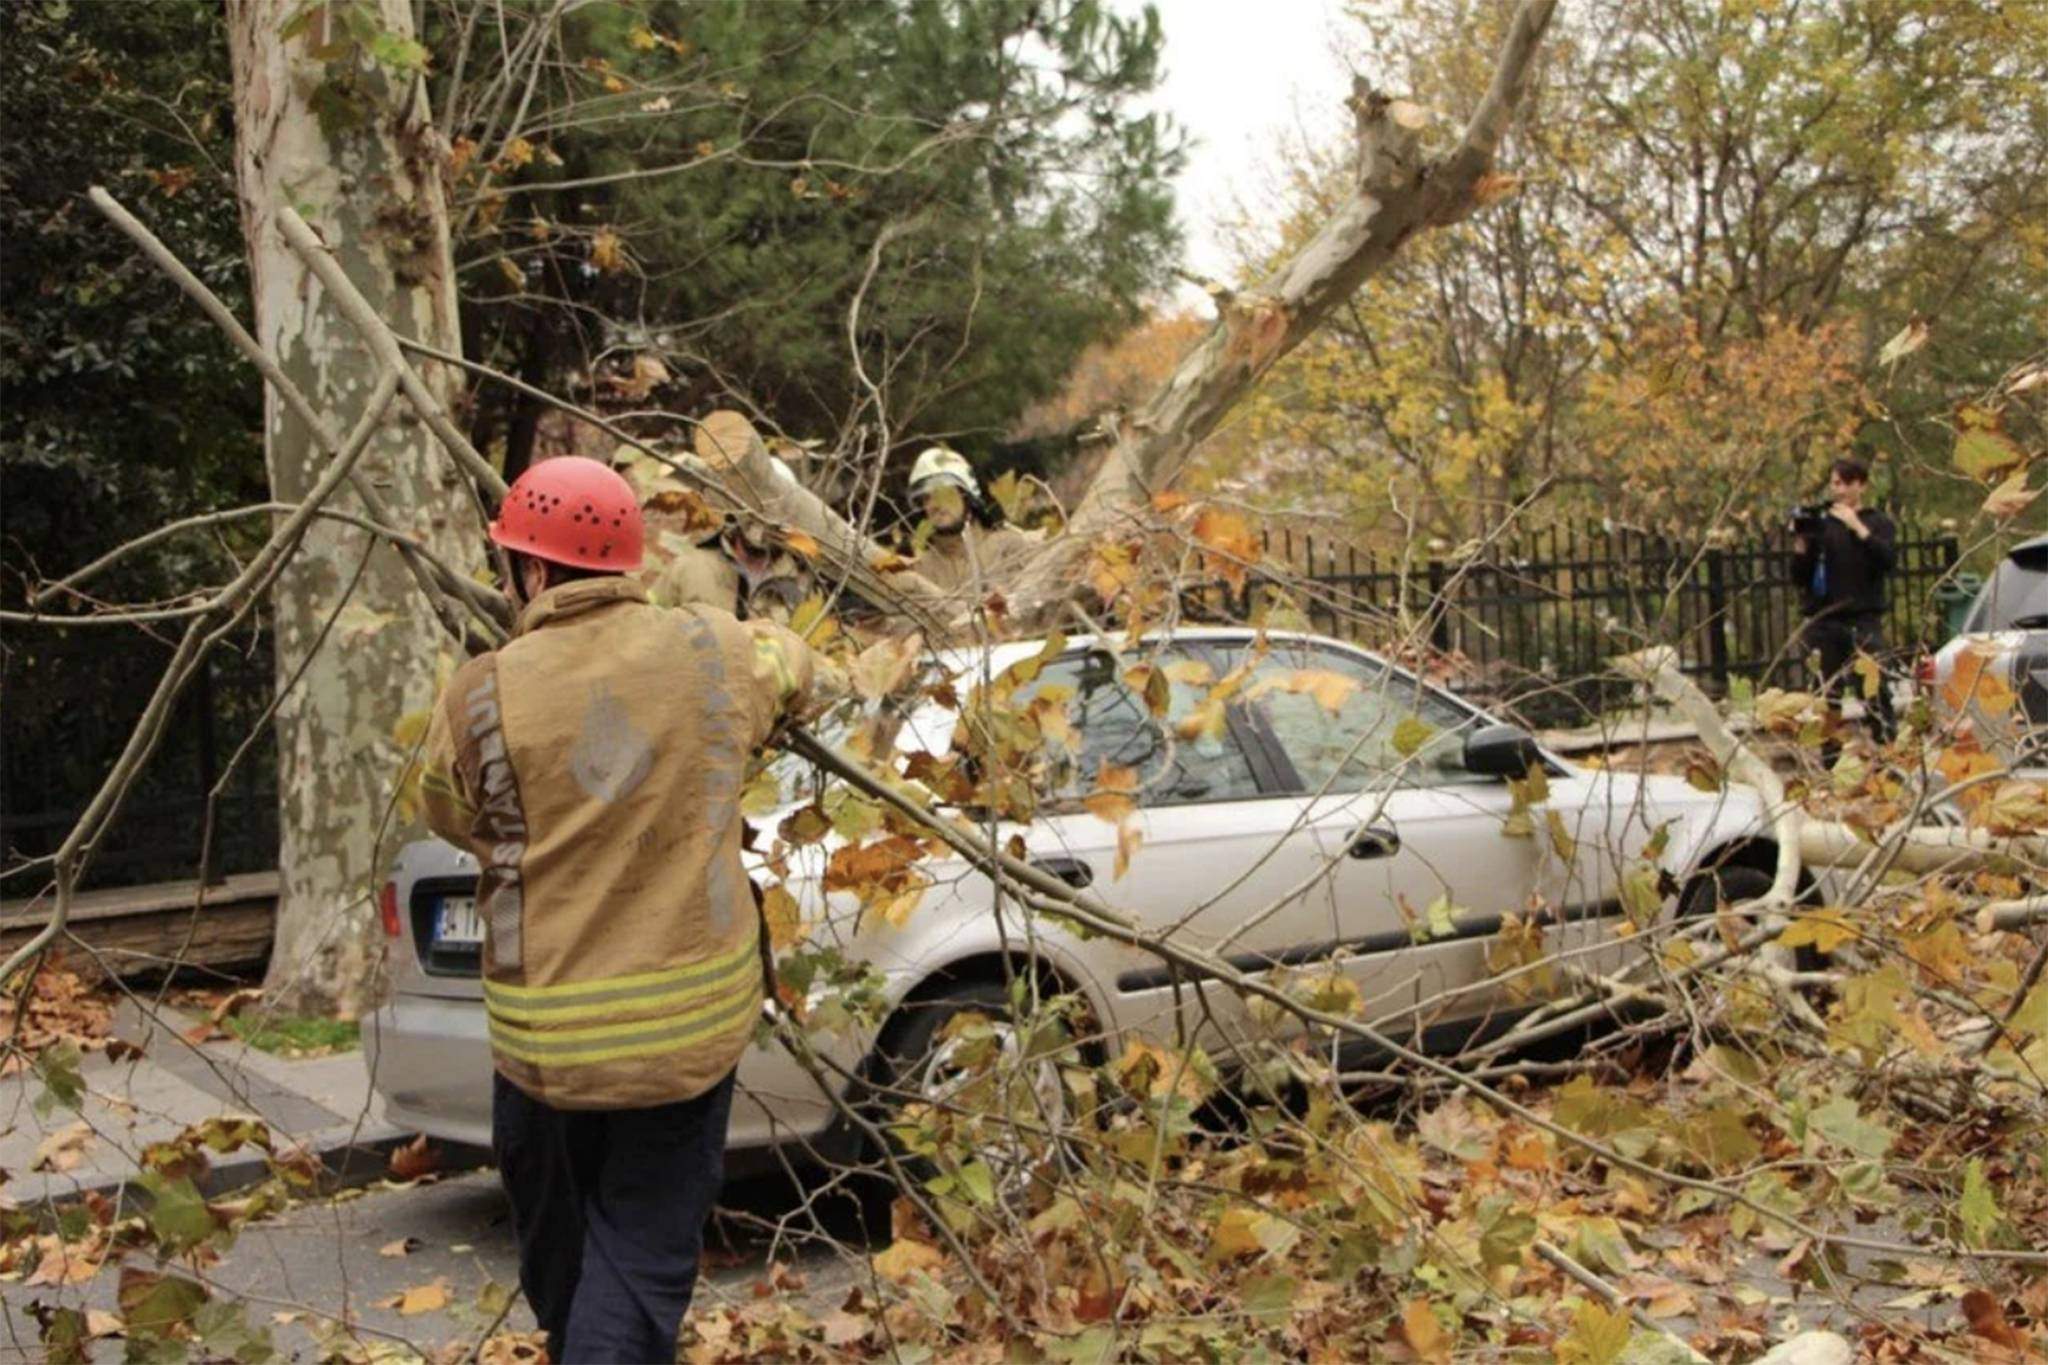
(347, 141)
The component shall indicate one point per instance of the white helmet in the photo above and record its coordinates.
(939, 465)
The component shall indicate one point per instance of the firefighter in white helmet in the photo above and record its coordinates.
(968, 542)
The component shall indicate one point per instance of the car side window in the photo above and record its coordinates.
(1349, 725)
(1117, 729)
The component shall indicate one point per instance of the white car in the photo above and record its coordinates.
(2004, 640)
(1318, 828)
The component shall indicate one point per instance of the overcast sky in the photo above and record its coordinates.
(1240, 78)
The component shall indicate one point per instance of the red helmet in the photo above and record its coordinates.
(575, 511)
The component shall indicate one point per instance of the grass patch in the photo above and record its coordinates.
(294, 1036)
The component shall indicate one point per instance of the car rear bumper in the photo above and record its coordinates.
(430, 1060)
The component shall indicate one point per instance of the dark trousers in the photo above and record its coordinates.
(609, 1207)
(1838, 640)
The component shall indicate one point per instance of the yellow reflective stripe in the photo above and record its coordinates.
(500, 993)
(653, 1036)
(704, 1004)
(769, 651)
(668, 1001)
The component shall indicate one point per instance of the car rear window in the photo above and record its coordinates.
(2017, 592)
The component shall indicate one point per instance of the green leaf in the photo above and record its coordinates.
(177, 1213)
(395, 52)
(1722, 1138)
(1986, 454)
(1269, 1296)
(1410, 734)
(225, 1329)
(1096, 1346)
(64, 1335)
(1978, 1209)
(978, 1182)
(57, 1065)
(1506, 1232)
(154, 1305)
(1839, 1122)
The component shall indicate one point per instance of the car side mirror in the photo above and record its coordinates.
(1501, 751)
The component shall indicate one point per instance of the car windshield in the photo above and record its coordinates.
(2016, 597)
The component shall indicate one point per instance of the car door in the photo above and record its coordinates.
(1405, 860)
(1208, 814)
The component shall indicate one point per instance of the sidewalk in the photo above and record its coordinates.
(323, 1103)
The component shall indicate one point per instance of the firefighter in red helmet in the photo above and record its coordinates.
(593, 765)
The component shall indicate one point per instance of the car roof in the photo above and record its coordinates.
(958, 660)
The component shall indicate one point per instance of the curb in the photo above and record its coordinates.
(351, 1158)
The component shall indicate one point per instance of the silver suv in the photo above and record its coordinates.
(1338, 816)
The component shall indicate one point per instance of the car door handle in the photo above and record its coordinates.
(1374, 841)
(1072, 871)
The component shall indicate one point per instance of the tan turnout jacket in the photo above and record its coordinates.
(945, 563)
(593, 765)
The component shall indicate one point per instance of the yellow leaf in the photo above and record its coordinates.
(1190, 673)
(1424, 1334)
(1825, 929)
(1206, 721)
(1985, 453)
(2010, 498)
(411, 728)
(423, 1298)
(907, 1256)
(884, 667)
(1411, 732)
(519, 152)
(784, 918)
(1128, 837)
(642, 39)
(1909, 339)
(607, 252)
(1598, 1337)
(803, 543)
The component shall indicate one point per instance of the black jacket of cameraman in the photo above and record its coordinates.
(1841, 573)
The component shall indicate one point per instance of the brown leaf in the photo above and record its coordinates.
(414, 1160)
(404, 1246)
(63, 1149)
(431, 1297)
(1986, 1316)
(1493, 187)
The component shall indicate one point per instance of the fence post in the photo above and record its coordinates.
(1440, 610)
(1717, 618)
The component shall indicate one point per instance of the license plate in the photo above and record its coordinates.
(456, 923)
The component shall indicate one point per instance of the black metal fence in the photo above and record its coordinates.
(1532, 622)
(68, 700)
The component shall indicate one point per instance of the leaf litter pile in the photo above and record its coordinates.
(1859, 1144)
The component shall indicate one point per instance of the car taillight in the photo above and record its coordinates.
(1923, 672)
(387, 906)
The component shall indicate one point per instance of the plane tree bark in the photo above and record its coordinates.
(331, 118)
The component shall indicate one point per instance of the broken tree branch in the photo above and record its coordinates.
(1397, 193)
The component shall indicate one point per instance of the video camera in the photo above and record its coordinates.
(1809, 518)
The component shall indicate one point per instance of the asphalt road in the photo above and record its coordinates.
(324, 1263)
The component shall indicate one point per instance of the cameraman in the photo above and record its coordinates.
(1841, 553)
